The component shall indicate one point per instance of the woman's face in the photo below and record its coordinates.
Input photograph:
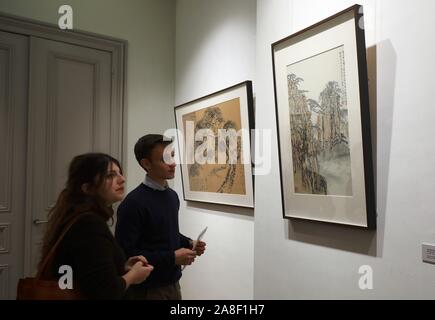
(112, 188)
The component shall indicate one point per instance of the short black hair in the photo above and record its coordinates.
(145, 144)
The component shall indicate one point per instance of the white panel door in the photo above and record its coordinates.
(69, 113)
(13, 135)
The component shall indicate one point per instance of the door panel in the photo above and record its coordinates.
(13, 134)
(69, 113)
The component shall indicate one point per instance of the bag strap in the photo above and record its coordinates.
(50, 254)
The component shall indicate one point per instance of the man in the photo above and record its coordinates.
(147, 223)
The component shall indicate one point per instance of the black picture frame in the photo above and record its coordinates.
(323, 122)
(241, 92)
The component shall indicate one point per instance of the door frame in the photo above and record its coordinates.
(118, 50)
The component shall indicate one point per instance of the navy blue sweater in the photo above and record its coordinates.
(147, 225)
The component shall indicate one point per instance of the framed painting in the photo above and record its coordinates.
(323, 122)
(213, 134)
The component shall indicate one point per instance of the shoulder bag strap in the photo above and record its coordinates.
(54, 247)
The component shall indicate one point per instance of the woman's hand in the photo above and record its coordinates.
(132, 261)
(138, 273)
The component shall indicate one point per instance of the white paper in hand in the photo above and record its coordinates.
(200, 237)
(197, 239)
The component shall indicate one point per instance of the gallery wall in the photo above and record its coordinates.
(148, 26)
(306, 260)
(215, 49)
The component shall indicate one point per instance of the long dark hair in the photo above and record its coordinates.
(89, 169)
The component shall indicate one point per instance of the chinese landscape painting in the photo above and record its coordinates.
(319, 124)
(218, 177)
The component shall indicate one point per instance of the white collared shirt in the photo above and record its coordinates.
(154, 185)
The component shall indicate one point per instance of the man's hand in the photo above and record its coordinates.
(198, 247)
(184, 256)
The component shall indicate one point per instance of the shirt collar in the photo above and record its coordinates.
(154, 185)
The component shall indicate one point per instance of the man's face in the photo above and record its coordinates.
(161, 164)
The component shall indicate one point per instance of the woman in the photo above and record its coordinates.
(99, 266)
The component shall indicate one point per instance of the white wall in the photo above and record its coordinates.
(302, 260)
(215, 48)
(148, 26)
